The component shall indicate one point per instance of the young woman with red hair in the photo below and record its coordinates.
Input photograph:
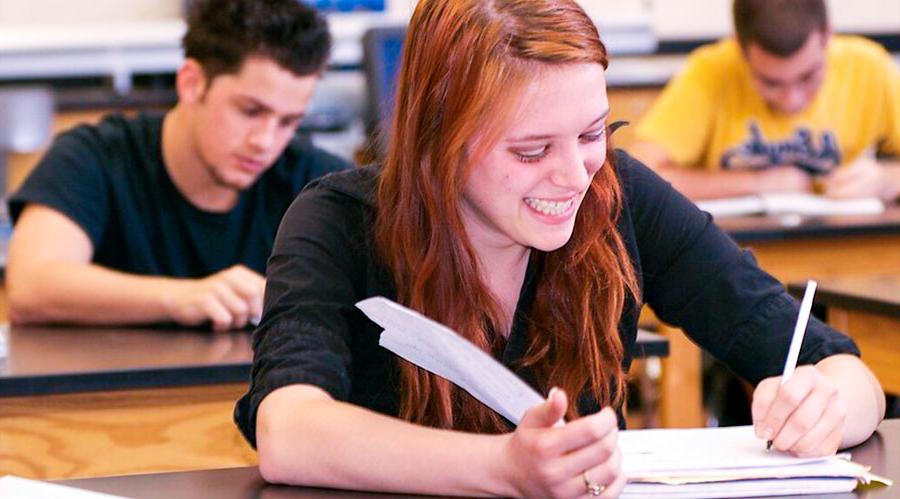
(501, 211)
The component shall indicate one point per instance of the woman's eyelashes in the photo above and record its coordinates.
(536, 154)
(595, 136)
(532, 155)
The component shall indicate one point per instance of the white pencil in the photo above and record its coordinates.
(797, 339)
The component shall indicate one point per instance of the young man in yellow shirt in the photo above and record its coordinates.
(785, 105)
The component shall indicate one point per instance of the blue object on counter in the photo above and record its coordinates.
(347, 5)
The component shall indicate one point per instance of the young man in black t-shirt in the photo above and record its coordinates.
(170, 218)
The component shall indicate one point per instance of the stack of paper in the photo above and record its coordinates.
(784, 203)
(727, 462)
(707, 462)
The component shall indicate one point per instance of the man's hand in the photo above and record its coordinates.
(228, 299)
(861, 178)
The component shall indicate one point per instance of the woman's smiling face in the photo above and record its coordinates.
(527, 188)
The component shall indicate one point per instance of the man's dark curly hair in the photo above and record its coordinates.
(221, 34)
(780, 27)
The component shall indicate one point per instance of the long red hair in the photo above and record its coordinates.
(464, 65)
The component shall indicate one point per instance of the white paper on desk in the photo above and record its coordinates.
(790, 203)
(744, 488)
(438, 349)
(4, 341)
(812, 205)
(13, 487)
(727, 462)
(733, 206)
(645, 451)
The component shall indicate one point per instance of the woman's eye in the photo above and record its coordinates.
(532, 155)
(593, 136)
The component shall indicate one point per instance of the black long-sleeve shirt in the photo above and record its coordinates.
(689, 271)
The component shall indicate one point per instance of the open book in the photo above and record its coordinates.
(784, 203)
(706, 462)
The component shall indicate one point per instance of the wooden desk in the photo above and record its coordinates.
(868, 309)
(823, 247)
(78, 402)
(881, 452)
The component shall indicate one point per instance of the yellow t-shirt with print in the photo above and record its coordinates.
(711, 116)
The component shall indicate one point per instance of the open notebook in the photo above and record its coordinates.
(782, 204)
(706, 462)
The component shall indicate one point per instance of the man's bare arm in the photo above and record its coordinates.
(699, 184)
(50, 279)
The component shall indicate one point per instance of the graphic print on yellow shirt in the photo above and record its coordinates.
(815, 155)
(710, 116)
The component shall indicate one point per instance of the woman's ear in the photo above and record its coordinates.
(190, 82)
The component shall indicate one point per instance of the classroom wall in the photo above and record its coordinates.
(693, 19)
(63, 11)
(67, 11)
(672, 19)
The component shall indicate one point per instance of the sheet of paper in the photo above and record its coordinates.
(438, 349)
(12, 487)
(698, 449)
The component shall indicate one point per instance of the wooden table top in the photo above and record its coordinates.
(875, 294)
(881, 452)
(772, 228)
(45, 360)
(51, 360)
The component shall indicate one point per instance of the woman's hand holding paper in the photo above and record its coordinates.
(549, 459)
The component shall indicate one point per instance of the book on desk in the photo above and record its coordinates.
(706, 462)
(790, 204)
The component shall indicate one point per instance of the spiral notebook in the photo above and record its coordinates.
(704, 462)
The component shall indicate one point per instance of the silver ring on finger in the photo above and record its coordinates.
(593, 489)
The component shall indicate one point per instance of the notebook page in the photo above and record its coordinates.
(700, 449)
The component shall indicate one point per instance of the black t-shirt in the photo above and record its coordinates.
(110, 179)
(689, 271)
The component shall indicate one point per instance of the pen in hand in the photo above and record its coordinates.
(797, 339)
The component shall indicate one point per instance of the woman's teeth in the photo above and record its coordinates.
(549, 207)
